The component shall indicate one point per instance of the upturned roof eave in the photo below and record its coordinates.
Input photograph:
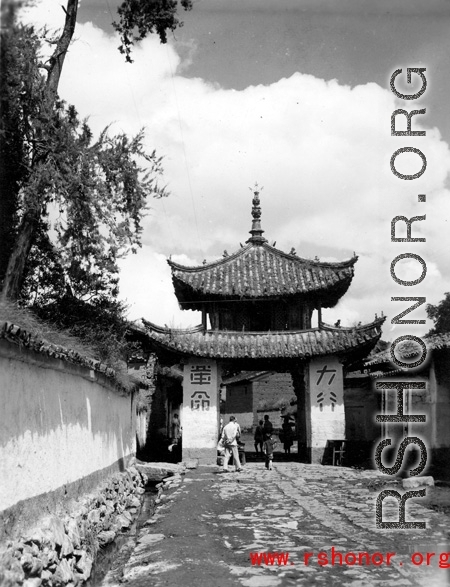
(241, 252)
(378, 321)
(199, 328)
(269, 346)
(262, 272)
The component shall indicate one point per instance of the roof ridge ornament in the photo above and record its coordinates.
(256, 231)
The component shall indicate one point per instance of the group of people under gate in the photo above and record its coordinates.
(263, 439)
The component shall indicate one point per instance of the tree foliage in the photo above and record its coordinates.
(138, 18)
(20, 82)
(99, 188)
(72, 205)
(101, 324)
(440, 315)
(99, 191)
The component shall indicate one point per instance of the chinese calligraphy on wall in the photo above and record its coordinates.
(326, 384)
(200, 375)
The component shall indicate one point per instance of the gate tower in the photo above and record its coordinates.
(256, 307)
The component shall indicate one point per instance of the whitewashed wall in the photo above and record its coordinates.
(59, 423)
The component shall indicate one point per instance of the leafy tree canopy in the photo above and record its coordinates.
(100, 324)
(440, 314)
(138, 18)
(19, 80)
(97, 188)
(72, 204)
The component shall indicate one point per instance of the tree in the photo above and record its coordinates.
(100, 187)
(100, 324)
(100, 190)
(17, 74)
(440, 314)
(137, 19)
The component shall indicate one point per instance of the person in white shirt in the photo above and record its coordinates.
(230, 434)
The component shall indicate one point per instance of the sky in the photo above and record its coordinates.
(293, 95)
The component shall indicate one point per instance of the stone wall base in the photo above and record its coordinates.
(25, 513)
(60, 549)
(205, 456)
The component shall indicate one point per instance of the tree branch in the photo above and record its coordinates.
(62, 45)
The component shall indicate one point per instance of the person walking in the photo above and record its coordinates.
(268, 448)
(259, 437)
(230, 434)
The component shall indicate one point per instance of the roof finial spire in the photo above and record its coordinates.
(256, 230)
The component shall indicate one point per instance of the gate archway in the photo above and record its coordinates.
(257, 306)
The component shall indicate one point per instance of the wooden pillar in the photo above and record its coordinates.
(200, 416)
(300, 382)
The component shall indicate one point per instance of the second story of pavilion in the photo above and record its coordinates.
(260, 288)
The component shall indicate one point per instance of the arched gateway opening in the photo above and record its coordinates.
(257, 306)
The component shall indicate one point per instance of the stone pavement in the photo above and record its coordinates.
(208, 524)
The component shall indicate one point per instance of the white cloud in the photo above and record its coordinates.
(321, 150)
(146, 286)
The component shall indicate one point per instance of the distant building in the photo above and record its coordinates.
(160, 397)
(432, 401)
(250, 395)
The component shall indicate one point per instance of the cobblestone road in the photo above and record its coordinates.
(208, 524)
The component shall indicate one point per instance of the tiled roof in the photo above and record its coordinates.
(262, 271)
(437, 341)
(432, 342)
(222, 344)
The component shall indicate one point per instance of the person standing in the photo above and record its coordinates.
(267, 427)
(287, 436)
(230, 434)
(259, 437)
(175, 432)
(176, 428)
(268, 448)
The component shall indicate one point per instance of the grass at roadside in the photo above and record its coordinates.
(27, 321)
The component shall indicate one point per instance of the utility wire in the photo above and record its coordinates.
(130, 86)
(184, 150)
